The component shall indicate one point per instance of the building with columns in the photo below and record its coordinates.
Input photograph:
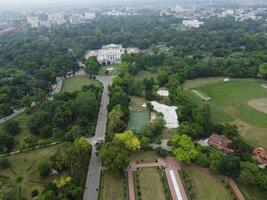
(110, 54)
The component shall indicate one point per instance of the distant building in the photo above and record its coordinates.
(110, 54)
(220, 142)
(192, 23)
(33, 21)
(56, 18)
(260, 155)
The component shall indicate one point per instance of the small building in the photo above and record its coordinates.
(220, 142)
(260, 155)
(163, 92)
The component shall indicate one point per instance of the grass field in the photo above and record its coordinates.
(150, 183)
(251, 193)
(76, 83)
(230, 103)
(112, 187)
(22, 175)
(208, 186)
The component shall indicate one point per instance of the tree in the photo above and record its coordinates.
(252, 174)
(12, 127)
(92, 66)
(129, 139)
(43, 169)
(214, 160)
(38, 121)
(262, 72)
(116, 120)
(193, 130)
(115, 156)
(230, 130)
(154, 128)
(183, 148)
(4, 163)
(230, 166)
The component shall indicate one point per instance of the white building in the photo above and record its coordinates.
(56, 18)
(110, 54)
(33, 21)
(192, 23)
(89, 15)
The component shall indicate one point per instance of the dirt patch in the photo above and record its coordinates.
(259, 104)
(231, 110)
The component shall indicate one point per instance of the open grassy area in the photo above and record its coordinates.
(208, 186)
(76, 83)
(195, 83)
(230, 102)
(112, 187)
(251, 193)
(22, 174)
(150, 184)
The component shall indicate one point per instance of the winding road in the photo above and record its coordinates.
(94, 170)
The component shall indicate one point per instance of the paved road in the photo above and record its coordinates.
(94, 170)
(16, 113)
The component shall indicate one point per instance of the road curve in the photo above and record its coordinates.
(94, 170)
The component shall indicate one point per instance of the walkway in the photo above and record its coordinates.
(235, 189)
(16, 113)
(163, 145)
(94, 170)
(171, 166)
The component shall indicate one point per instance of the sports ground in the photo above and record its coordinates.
(239, 101)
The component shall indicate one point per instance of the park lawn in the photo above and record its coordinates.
(22, 174)
(75, 83)
(112, 187)
(198, 82)
(208, 186)
(151, 186)
(229, 103)
(249, 192)
(144, 156)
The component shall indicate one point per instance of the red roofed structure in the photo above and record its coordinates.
(220, 142)
(260, 155)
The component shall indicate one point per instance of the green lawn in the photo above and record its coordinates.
(22, 175)
(251, 193)
(112, 187)
(229, 103)
(76, 83)
(150, 184)
(208, 186)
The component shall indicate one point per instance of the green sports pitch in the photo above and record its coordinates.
(239, 101)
